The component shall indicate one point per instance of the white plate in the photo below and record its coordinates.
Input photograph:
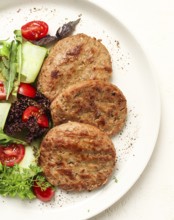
(131, 73)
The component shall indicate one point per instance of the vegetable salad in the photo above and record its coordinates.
(24, 111)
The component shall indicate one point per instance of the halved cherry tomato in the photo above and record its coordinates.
(33, 111)
(30, 112)
(34, 30)
(43, 121)
(43, 195)
(27, 90)
(2, 91)
(12, 154)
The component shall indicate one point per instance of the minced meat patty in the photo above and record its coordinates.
(73, 59)
(94, 102)
(77, 157)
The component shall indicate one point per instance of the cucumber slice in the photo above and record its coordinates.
(29, 158)
(32, 59)
(4, 110)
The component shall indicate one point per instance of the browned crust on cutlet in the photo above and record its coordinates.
(77, 157)
(94, 102)
(71, 60)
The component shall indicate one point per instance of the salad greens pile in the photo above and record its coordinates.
(15, 181)
(20, 63)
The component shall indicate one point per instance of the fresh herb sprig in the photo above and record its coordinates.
(42, 182)
(17, 182)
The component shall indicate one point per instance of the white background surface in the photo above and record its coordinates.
(152, 23)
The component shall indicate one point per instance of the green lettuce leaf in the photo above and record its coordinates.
(11, 63)
(5, 48)
(5, 139)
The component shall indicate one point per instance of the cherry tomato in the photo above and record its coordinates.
(34, 30)
(2, 91)
(43, 121)
(12, 154)
(43, 195)
(33, 111)
(30, 112)
(27, 90)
